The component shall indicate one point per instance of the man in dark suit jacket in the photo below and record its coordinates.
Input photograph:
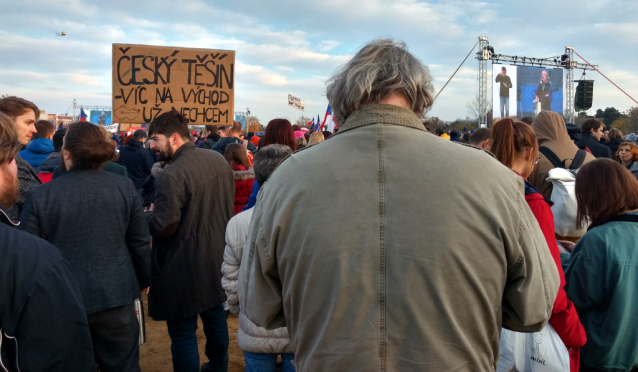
(96, 219)
(193, 202)
(592, 132)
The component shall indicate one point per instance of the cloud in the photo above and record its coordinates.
(327, 45)
(283, 48)
(259, 73)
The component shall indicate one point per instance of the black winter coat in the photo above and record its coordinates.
(43, 325)
(96, 219)
(210, 141)
(614, 145)
(137, 160)
(193, 203)
(597, 149)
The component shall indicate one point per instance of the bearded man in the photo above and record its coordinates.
(42, 311)
(193, 202)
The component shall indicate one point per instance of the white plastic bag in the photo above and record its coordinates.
(532, 352)
(565, 206)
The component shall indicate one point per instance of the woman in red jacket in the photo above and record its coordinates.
(237, 157)
(514, 144)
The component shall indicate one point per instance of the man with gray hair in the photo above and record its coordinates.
(389, 283)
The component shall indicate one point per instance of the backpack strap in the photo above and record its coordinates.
(579, 158)
(549, 154)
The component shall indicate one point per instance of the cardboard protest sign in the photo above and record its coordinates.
(151, 80)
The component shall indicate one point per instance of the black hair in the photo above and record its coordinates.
(58, 139)
(169, 123)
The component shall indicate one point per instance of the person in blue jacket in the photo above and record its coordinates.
(602, 278)
(41, 146)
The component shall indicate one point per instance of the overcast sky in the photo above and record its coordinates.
(293, 47)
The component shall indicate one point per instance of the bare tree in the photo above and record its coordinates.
(434, 123)
(632, 114)
(302, 121)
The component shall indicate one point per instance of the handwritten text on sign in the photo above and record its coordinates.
(150, 80)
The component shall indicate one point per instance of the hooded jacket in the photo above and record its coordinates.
(43, 324)
(137, 160)
(250, 337)
(36, 151)
(551, 132)
(390, 283)
(244, 180)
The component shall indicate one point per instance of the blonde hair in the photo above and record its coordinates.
(315, 137)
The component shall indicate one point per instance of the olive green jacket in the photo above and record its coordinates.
(385, 248)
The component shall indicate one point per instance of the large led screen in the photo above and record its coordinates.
(100, 117)
(524, 91)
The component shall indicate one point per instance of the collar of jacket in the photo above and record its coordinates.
(4, 217)
(382, 113)
(182, 148)
(134, 143)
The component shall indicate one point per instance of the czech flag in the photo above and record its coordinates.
(311, 123)
(327, 121)
(82, 114)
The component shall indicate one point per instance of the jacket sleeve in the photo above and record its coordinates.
(532, 278)
(564, 317)
(231, 264)
(253, 197)
(167, 212)
(137, 239)
(259, 286)
(585, 275)
(53, 332)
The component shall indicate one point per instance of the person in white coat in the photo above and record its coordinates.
(260, 346)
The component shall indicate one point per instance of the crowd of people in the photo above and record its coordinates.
(380, 247)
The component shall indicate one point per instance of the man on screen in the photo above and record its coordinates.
(543, 94)
(506, 84)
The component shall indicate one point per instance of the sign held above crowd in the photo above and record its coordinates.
(295, 102)
(151, 80)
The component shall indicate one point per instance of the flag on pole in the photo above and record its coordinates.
(327, 120)
(311, 123)
(82, 114)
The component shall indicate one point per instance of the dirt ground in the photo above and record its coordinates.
(155, 354)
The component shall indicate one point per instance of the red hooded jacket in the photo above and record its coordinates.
(564, 318)
(244, 180)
